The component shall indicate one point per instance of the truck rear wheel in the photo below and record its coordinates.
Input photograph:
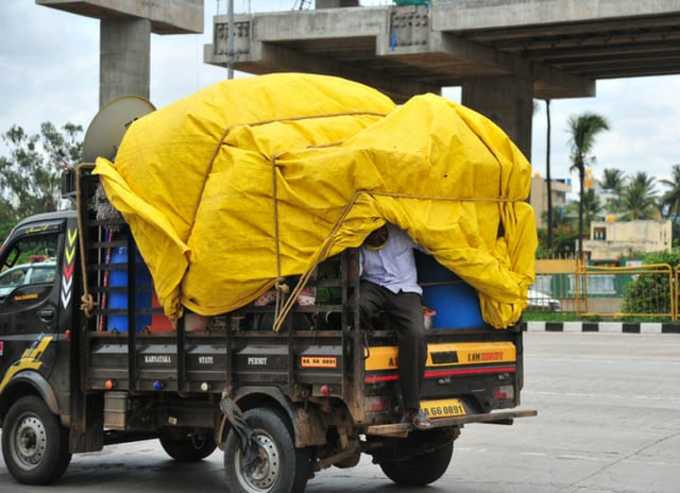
(187, 447)
(278, 468)
(34, 444)
(421, 469)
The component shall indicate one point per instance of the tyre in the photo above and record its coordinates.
(187, 447)
(279, 467)
(421, 469)
(34, 444)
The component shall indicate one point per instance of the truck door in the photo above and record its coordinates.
(29, 294)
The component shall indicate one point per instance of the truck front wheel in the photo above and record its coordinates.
(421, 469)
(187, 447)
(34, 444)
(277, 467)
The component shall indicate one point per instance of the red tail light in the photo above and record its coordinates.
(504, 393)
(377, 404)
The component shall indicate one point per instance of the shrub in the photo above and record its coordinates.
(651, 293)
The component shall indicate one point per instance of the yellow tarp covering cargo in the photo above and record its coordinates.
(196, 181)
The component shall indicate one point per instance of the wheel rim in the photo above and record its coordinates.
(261, 476)
(29, 442)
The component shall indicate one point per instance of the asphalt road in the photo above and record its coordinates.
(609, 422)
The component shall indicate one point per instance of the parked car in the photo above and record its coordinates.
(542, 301)
(25, 274)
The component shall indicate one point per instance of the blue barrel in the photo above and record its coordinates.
(118, 300)
(455, 301)
(457, 306)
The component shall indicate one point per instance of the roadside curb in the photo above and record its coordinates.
(604, 327)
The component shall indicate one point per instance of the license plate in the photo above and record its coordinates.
(446, 408)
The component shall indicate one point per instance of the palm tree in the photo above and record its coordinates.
(592, 207)
(583, 130)
(613, 180)
(671, 199)
(638, 200)
(564, 231)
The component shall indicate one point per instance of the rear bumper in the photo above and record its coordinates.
(403, 429)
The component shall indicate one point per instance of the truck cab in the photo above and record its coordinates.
(37, 306)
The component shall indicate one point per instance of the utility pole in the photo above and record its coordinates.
(230, 41)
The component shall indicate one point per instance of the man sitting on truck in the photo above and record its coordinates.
(389, 284)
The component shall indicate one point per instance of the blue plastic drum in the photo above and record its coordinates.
(118, 300)
(456, 302)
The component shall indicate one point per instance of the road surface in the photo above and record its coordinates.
(609, 422)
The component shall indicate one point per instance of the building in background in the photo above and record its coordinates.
(539, 196)
(611, 240)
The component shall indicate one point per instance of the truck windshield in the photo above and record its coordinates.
(30, 250)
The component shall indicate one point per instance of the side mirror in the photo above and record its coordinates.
(11, 259)
(68, 183)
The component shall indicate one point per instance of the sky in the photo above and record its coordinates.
(49, 71)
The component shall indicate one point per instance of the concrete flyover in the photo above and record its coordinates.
(503, 53)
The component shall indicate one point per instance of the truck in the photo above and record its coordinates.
(86, 362)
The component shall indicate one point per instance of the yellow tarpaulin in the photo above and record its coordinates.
(196, 180)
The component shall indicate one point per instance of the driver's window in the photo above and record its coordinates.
(30, 261)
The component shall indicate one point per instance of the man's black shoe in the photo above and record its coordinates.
(421, 421)
(418, 419)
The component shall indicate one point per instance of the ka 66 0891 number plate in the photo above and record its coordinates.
(446, 408)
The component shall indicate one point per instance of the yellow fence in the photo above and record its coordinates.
(646, 291)
(676, 296)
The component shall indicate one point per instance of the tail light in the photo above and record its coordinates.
(377, 404)
(504, 393)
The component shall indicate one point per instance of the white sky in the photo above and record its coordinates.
(49, 70)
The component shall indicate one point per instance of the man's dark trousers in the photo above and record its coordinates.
(405, 314)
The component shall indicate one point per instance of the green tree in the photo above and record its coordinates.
(670, 200)
(639, 199)
(7, 220)
(650, 292)
(564, 234)
(30, 174)
(613, 180)
(592, 207)
(583, 130)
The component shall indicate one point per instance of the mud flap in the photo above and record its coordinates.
(248, 444)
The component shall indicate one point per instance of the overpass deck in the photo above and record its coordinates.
(562, 46)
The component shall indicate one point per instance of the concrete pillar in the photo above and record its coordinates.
(333, 4)
(508, 101)
(125, 45)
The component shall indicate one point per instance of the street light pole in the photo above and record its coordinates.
(230, 41)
